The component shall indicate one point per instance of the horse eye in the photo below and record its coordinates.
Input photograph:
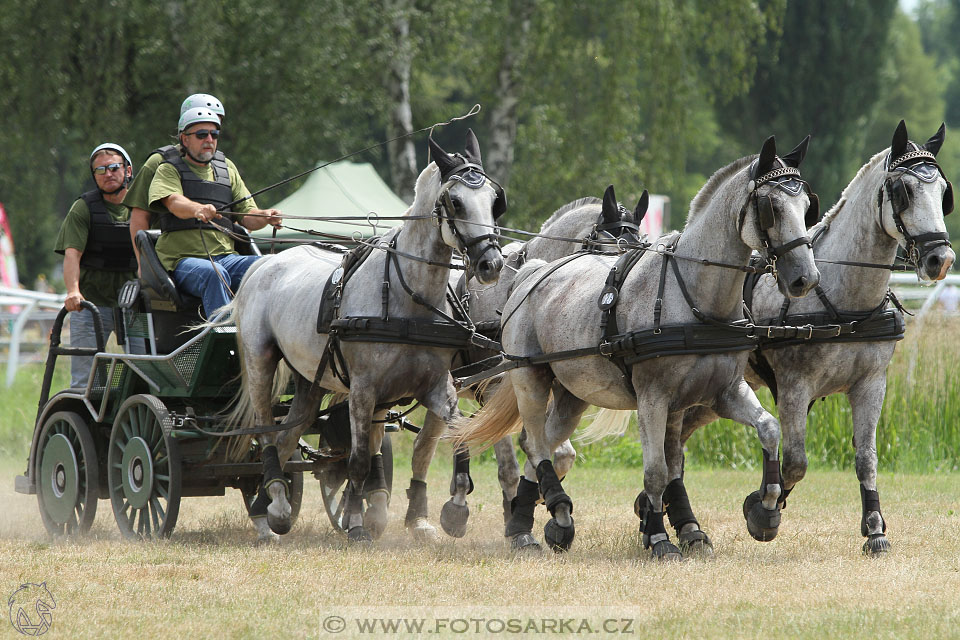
(457, 203)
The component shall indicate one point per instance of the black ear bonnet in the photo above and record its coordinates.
(787, 179)
(921, 164)
(468, 170)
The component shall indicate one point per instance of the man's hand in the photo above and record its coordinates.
(73, 300)
(273, 217)
(206, 213)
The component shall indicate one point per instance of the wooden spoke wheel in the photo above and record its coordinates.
(67, 475)
(143, 469)
(334, 483)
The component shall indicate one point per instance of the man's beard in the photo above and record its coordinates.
(205, 156)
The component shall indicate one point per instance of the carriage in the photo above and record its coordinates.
(146, 430)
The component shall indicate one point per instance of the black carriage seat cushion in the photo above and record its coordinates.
(154, 276)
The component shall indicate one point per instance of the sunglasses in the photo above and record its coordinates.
(102, 169)
(203, 133)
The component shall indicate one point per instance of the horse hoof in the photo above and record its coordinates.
(876, 545)
(557, 537)
(375, 520)
(453, 519)
(665, 551)
(359, 535)
(423, 531)
(762, 523)
(278, 518)
(695, 542)
(525, 543)
(267, 540)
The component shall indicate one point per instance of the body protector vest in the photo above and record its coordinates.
(108, 243)
(217, 192)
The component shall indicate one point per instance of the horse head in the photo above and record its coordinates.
(774, 219)
(470, 203)
(616, 222)
(913, 200)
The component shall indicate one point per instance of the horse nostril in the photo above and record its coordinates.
(934, 262)
(799, 284)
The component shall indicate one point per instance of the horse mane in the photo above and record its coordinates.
(570, 206)
(426, 191)
(832, 213)
(720, 176)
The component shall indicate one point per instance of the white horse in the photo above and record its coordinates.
(588, 225)
(749, 204)
(399, 287)
(898, 198)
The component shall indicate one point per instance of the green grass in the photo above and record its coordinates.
(18, 405)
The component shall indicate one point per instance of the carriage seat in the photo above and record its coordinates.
(158, 284)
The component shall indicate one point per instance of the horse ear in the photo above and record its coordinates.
(934, 143)
(642, 205)
(609, 210)
(899, 145)
(795, 157)
(768, 154)
(444, 162)
(472, 148)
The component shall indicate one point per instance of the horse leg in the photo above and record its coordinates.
(532, 388)
(508, 472)
(277, 449)
(690, 538)
(442, 401)
(866, 402)
(761, 508)
(424, 448)
(375, 490)
(362, 403)
(792, 402)
(651, 420)
(562, 420)
(455, 512)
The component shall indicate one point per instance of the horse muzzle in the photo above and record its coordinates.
(935, 264)
(487, 268)
(795, 278)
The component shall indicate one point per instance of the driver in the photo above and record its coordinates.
(189, 188)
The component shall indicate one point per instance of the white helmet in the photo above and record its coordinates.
(195, 115)
(111, 147)
(203, 100)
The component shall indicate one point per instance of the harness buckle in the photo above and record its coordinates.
(839, 329)
(606, 349)
(809, 328)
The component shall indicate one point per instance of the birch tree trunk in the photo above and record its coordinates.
(403, 158)
(498, 154)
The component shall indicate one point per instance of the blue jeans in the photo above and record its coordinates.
(197, 277)
(83, 334)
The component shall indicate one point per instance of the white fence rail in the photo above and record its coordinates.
(907, 287)
(20, 306)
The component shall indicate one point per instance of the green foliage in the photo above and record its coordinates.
(18, 406)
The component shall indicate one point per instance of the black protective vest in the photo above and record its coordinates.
(108, 243)
(218, 193)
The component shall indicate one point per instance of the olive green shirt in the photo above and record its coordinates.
(174, 246)
(138, 193)
(99, 287)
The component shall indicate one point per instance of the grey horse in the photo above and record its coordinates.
(587, 224)
(402, 283)
(749, 204)
(898, 198)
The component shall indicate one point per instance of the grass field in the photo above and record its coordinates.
(811, 582)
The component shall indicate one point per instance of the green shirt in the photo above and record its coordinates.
(99, 287)
(137, 196)
(174, 246)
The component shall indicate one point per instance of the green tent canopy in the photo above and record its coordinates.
(342, 189)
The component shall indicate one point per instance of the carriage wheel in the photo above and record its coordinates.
(296, 495)
(143, 470)
(67, 475)
(334, 483)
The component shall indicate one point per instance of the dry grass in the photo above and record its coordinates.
(208, 581)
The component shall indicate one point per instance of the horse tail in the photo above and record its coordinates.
(498, 417)
(606, 423)
(241, 412)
